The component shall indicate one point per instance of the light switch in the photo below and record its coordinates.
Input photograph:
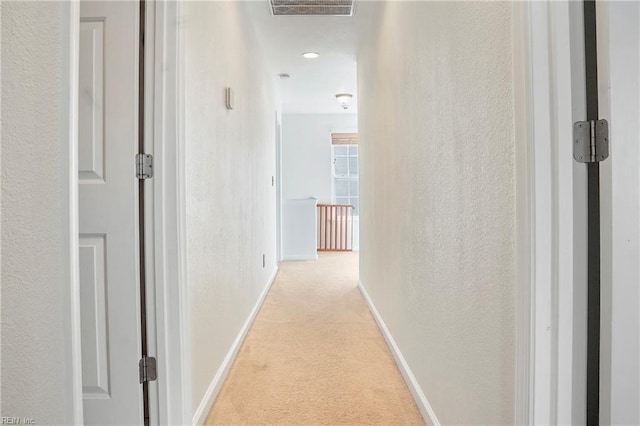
(228, 97)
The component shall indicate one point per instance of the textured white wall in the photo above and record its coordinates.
(230, 159)
(437, 199)
(36, 348)
(306, 153)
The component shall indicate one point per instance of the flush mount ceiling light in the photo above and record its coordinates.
(311, 55)
(312, 7)
(344, 99)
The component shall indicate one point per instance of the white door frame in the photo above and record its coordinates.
(167, 265)
(522, 133)
(278, 183)
(169, 396)
(549, 94)
(74, 207)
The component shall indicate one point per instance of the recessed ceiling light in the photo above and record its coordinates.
(311, 55)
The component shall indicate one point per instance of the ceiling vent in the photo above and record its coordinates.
(312, 7)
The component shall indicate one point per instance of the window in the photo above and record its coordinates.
(345, 171)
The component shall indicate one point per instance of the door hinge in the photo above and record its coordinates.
(148, 369)
(590, 141)
(144, 166)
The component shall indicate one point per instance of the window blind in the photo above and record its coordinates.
(344, 138)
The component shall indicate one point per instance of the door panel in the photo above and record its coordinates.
(91, 105)
(93, 297)
(108, 195)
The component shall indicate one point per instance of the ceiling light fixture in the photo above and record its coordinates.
(344, 99)
(311, 55)
(284, 76)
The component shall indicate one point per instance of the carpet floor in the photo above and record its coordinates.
(314, 356)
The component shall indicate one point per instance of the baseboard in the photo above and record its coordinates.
(421, 400)
(301, 257)
(216, 384)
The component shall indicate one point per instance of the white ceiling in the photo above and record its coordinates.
(314, 82)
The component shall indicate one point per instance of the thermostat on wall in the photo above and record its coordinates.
(228, 96)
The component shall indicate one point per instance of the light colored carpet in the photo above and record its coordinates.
(314, 355)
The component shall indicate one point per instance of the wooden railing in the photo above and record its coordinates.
(335, 227)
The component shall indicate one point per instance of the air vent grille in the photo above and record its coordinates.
(312, 7)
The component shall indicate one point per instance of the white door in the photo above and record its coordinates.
(108, 193)
(619, 99)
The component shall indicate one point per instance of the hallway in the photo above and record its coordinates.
(167, 170)
(314, 355)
